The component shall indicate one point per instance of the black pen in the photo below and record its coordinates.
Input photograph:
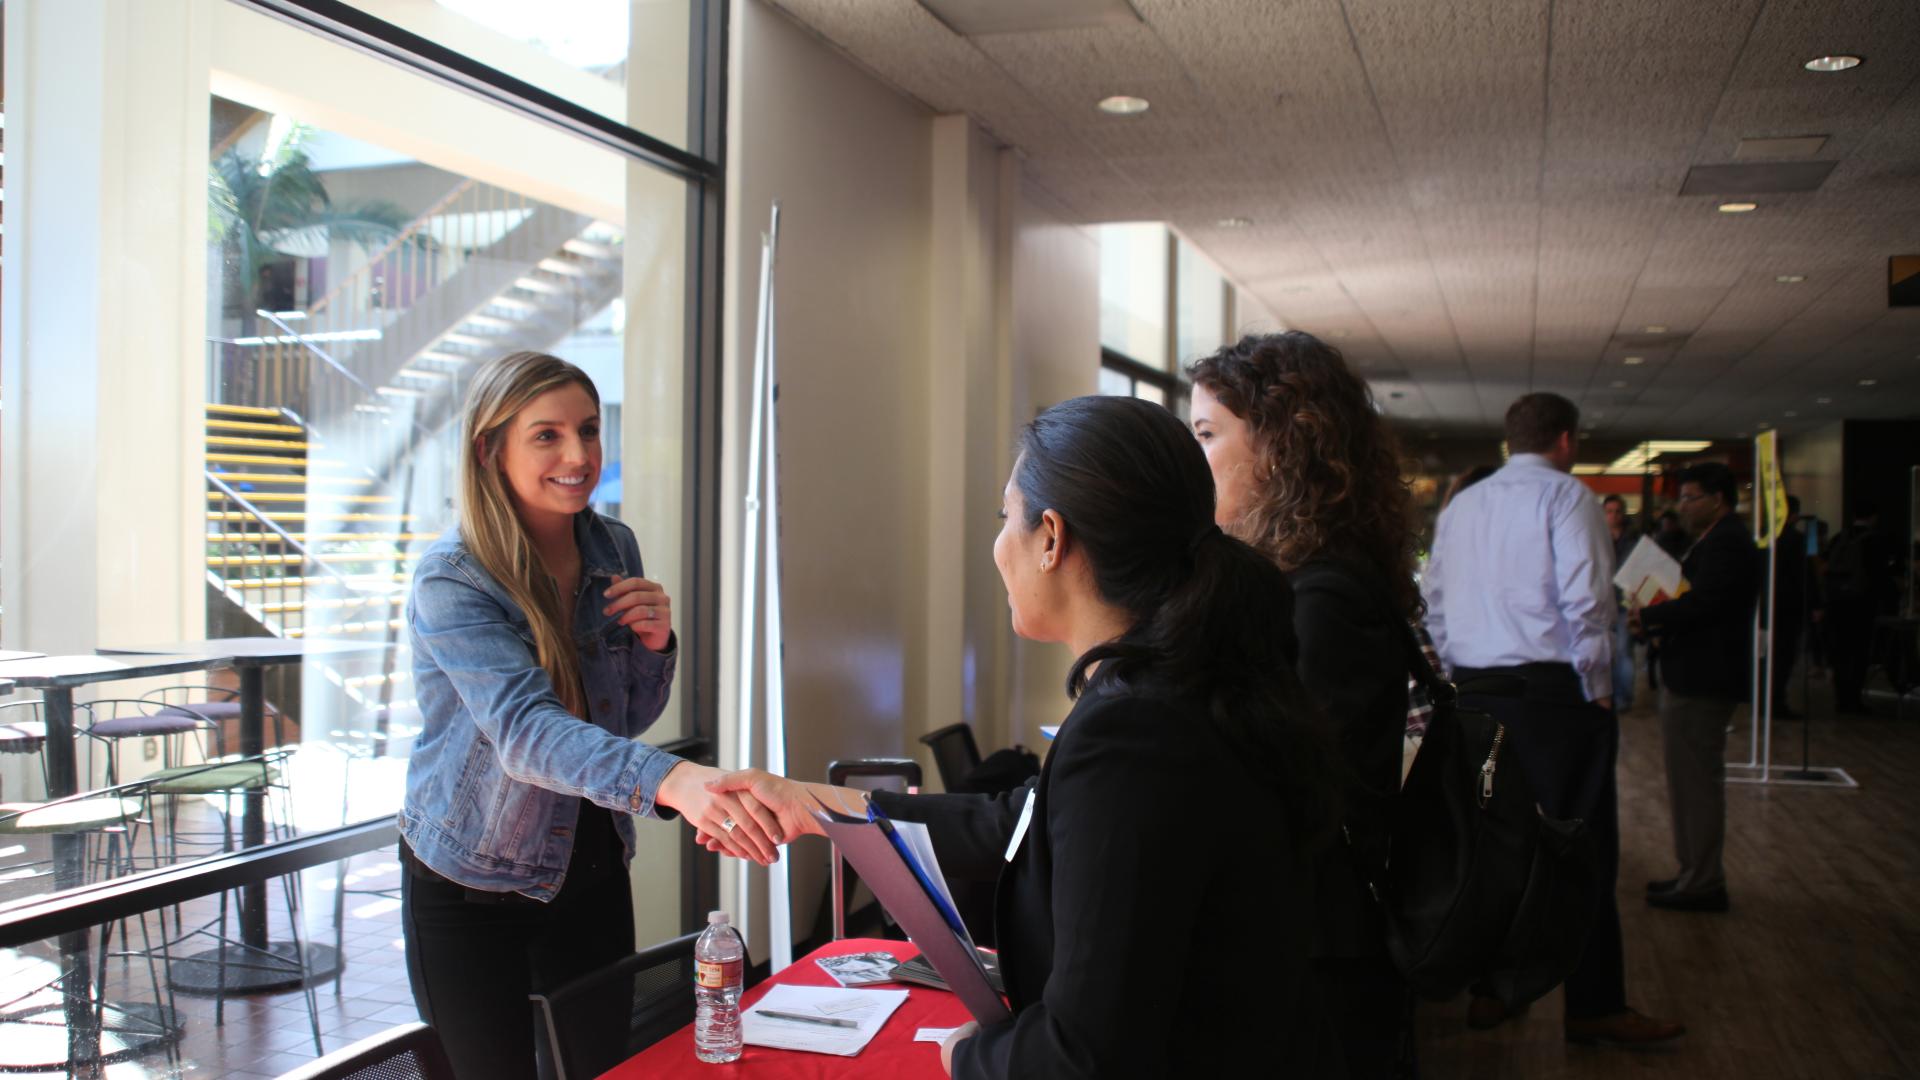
(804, 1019)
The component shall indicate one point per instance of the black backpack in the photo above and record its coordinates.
(1480, 888)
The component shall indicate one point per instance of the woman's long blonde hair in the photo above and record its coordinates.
(489, 525)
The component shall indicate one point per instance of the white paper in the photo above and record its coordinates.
(933, 1035)
(1050, 730)
(915, 836)
(859, 969)
(867, 1008)
(1649, 575)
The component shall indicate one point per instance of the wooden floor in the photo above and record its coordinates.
(1816, 970)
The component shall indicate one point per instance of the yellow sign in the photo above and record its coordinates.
(1771, 493)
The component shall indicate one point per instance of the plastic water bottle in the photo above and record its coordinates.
(719, 969)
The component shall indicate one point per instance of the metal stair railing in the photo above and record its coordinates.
(268, 548)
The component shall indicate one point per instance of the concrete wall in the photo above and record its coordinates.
(930, 302)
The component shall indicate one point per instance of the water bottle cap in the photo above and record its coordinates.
(717, 918)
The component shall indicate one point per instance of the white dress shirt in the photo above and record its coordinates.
(1521, 573)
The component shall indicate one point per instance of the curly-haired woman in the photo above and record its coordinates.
(1307, 472)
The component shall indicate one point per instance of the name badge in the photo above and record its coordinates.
(1020, 827)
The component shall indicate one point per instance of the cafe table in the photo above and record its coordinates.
(57, 677)
(892, 1055)
(256, 964)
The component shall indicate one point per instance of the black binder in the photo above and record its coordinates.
(895, 878)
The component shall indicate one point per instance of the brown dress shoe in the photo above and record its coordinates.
(1626, 1028)
(1485, 1012)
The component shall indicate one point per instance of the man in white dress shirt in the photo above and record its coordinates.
(1519, 584)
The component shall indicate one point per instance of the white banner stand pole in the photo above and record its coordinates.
(779, 879)
(750, 561)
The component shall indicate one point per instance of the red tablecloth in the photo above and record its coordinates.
(892, 1055)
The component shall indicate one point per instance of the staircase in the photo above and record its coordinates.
(306, 546)
(334, 423)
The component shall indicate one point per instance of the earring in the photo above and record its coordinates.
(1046, 563)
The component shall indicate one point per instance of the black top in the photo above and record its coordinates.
(1152, 921)
(1706, 643)
(1353, 663)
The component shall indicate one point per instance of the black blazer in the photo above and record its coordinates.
(1151, 922)
(1353, 662)
(1706, 634)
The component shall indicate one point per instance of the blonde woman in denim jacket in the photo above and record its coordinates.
(541, 653)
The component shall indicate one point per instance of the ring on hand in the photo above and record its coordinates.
(727, 824)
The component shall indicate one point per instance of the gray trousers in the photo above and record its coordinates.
(1694, 730)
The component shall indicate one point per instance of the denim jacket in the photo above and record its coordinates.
(494, 782)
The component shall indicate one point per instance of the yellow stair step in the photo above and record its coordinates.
(290, 478)
(301, 515)
(299, 496)
(249, 425)
(319, 538)
(332, 605)
(341, 629)
(295, 559)
(300, 582)
(258, 444)
(256, 459)
(241, 410)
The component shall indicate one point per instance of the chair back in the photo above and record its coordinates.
(954, 754)
(408, 1052)
(838, 773)
(657, 981)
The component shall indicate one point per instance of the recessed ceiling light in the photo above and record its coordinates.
(1789, 414)
(1656, 329)
(1762, 425)
(1823, 401)
(1832, 63)
(1634, 361)
(1790, 279)
(1234, 222)
(1739, 434)
(1738, 207)
(1868, 382)
(1122, 105)
(1619, 384)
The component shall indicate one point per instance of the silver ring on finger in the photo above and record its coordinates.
(728, 825)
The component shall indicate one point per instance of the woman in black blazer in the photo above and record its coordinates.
(1135, 938)
(1307, 472)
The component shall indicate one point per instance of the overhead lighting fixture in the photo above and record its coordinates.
(1634, 462)
(1589, 470)
(1619, 384)
(1868, 382)
(1823, 401)
(1122, 105)
(1762, 425)
(1790, 279)
(1738, 207)
(1789, 414)
(1634, 361)
(1234, 222)
(1824, 64)
(1656, 329)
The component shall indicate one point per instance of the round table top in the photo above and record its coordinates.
(249, 651)
(71, 671)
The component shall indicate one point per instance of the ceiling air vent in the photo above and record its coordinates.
(972, 18)
(1756, 179)
(1797, 146)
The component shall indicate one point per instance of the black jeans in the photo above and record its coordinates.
(1567, 748)
(472, 963)
(1372, 1012)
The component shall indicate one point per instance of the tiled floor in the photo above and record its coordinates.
(266, 1035)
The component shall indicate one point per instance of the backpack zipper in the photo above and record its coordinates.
(1486, 770)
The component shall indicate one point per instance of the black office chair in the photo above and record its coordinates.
(954, 754)
(658, 980)
(408, 1052)
(839, 772)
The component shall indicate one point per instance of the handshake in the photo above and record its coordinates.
(749, 813)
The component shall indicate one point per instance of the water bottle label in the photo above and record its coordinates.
(717, 976)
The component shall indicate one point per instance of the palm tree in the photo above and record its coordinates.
(262, 212)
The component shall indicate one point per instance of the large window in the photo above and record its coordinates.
(1163, 305)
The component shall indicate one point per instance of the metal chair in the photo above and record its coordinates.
(657, 981)
(219, 704)
(407, 1052)
(838, 773)
(139, 718)
(954, 754)
(24, 734)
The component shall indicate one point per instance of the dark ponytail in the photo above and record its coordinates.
(1212, 616)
